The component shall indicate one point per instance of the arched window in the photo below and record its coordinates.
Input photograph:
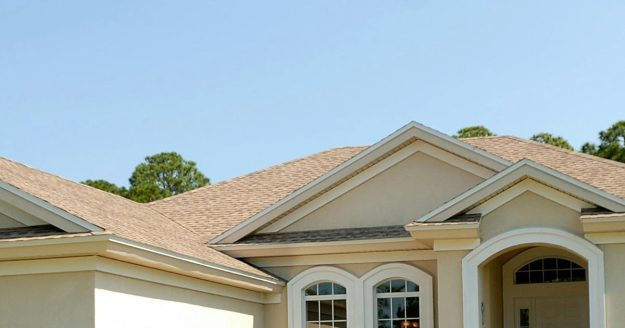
(397, 295)
(397, 304)
(326, 305)
(549, 270)
(324, 297)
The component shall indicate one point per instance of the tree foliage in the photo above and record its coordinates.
(611, 143)
(163, 175)
(550, 139)
(158, 176)
(474, 131)
(107, 186)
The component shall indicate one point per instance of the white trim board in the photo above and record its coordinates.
(530, 237)
(43, 210)
(530, 185)
(375, 170)
(519, 171)
(410, 131)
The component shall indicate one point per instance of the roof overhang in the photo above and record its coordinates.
(44, 211)
(110, 246)
(400, 138)
(522, 170)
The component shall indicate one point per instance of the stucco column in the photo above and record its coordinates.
(614, 284)
(449, 283)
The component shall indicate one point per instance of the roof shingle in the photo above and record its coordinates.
(212, 210)
(115, 214)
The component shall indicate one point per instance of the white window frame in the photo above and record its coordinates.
(297, 305)
(398, 271)
(360, 292)
(331, 297)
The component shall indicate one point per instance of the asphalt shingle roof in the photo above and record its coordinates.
(117, 215)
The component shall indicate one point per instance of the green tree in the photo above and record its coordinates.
(473, 131)
(107, 186)
(163, 175)
(550, 139)
(611, 145)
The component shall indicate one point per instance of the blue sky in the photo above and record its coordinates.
(89, 88)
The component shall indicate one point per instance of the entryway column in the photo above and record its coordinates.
(449, 255)
(449, 283)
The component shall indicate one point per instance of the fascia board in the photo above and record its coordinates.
(60, 218)
(525, 168)
(410, 130)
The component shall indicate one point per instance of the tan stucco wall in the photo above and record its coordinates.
(125, 302)
(449, 296)
(276, 314)
(614, 261)
(62, 300)
(529, 210)
(396, 196)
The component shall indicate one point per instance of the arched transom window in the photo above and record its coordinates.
(549, 270)
(397, 304)
(326, 305)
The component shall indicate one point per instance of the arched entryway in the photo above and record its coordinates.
(543, 287)
(495, 263)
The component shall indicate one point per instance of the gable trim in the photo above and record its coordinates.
(409, 132)
(377, 169)
(512, 175)
(44, 210)
(532, 186)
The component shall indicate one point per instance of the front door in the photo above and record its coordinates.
(545, 288)
(550, 312)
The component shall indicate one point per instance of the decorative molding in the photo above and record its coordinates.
(334, 247)
(44, 210)
(530, 185)
(456, 244)
(295, 287)
(404, 271)
(410, 131)
(533, 236)
(387, 163)
(347, 258)
(515, 173)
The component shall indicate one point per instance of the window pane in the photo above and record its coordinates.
(579, 275)
(398, 286)
(412, 307)
(340, 325)
(398, 307)
(564, 264)
(312, 325)
(524, 318)
(564, 275)
(525, 268)
(312, 311)
(312, 290)
(576, 266)
(384, 287)
(551, 276)
(326, 325)
(384, 308)
(536, 277)
(325, 307)
(536, 265)
(400, 324)
(325, 288)
(550, 264)
(412, 287)
(384, 323)
(522, 278)
(339, 290)
(340, 310)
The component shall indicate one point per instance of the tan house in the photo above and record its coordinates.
(417, 230)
